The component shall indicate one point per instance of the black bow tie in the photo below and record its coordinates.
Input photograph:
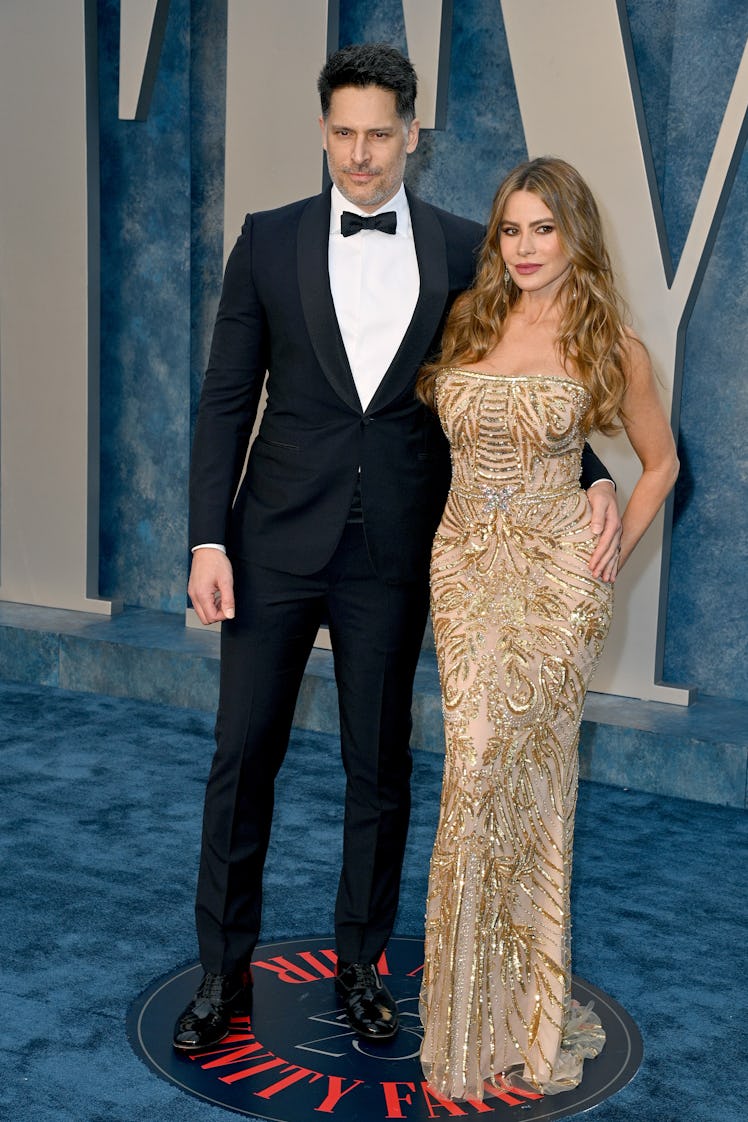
(351, 223)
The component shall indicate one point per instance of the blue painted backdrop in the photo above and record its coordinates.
(162, 206)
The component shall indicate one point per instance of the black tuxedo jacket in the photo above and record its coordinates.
(276, 313)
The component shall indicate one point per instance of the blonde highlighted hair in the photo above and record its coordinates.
(592, 336)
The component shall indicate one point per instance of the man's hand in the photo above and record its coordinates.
(606, 522)
(211, 585)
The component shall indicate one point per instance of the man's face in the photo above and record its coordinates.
(367, 145)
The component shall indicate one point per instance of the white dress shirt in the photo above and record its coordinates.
(375, 284)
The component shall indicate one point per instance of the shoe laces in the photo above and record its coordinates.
(211, 988)
(363, 975)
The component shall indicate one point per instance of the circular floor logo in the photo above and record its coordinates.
(294, 1057)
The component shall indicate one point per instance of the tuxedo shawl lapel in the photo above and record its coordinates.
(316, 298)
(431, 252)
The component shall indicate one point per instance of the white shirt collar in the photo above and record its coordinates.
(399, 203)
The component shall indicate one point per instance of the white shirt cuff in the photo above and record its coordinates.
(604, 479)
(212, 545)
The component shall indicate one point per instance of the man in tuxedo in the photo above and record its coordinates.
(339, 298)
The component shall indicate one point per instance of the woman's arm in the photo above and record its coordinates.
(651, 438)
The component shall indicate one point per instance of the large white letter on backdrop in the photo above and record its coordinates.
(586, 110)
(273, 152)
(49, 317)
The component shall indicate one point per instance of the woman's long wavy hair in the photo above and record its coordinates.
(592, 339)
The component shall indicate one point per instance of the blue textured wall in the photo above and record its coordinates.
(161, 262)
(162, 235)
(145, 324)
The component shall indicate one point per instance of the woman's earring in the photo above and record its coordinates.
(507, 278)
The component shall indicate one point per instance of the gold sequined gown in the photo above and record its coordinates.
(519, 624)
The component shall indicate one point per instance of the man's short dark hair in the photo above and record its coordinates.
(370, 64)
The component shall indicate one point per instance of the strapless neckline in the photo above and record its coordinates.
(516, 377)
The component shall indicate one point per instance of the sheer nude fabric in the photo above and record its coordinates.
(519, 625)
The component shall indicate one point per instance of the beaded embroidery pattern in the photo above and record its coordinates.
(519, 625)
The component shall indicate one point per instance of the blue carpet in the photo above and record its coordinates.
(101, 805)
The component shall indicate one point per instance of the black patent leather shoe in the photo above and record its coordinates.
(207, 1018)
(369, 1006)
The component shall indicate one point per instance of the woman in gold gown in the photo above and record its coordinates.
(534, 357)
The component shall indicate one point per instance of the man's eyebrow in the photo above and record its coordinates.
(371, 128)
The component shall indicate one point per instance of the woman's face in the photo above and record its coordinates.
(530, 245)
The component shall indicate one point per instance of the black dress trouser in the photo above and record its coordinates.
(376, 631)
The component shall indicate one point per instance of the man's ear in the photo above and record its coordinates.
(413, 133)
(323, 130)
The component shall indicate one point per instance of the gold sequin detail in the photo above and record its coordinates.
(519, 624)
